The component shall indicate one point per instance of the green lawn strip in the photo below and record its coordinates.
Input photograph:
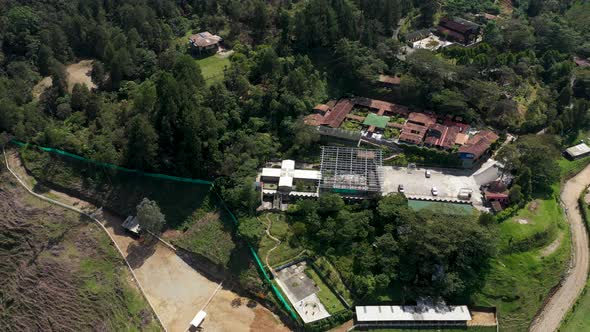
(570, 168)
(106, 282)
(328, 299)
(209, 236)
(518, 283)
(578, 319)
(332, 276)
(281, 230)
(212, 68)
(532, 227)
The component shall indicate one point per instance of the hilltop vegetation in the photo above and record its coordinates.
(158, 108)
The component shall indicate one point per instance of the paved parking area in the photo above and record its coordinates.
(301, 292)
(448, 182)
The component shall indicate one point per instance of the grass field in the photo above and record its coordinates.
(328, 299)
(519, 280)
(569, 168)
(287, 250)
(331, 274)
(212, 68)
(533, 227)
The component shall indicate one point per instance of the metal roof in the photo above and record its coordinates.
(388, 313)
(578, 150)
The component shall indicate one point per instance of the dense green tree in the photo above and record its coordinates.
(150, 217)
(143, 143)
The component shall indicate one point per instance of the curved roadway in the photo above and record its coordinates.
(550, 317)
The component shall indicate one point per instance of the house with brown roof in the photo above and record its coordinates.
(459, 30)
(476, 147)
(581, 62)
(389, 81)
(205, 42)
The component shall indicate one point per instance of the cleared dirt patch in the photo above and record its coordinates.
(175, 289)
(548, 250)
(534, 205)
(523, 221)
(60, 272)
(77, 73)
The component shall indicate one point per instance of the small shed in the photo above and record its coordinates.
(131, 224)
(577, 151)
(389, 81)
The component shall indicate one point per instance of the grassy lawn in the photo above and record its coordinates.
(212, 68)
(328, 299)
(210, 236)
(519, 280)
(570, 168)
(287, 250)
(331, 274)
(533, 227)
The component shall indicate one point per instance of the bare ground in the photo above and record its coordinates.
(176, 290)
(552, 247)
(44, 251)
(550, 316)
(77, 73)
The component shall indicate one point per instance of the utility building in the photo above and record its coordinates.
(421, 315)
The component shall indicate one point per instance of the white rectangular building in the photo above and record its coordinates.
(392, 315)
(578, 151)
(285, 177)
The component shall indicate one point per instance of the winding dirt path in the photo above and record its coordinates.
(278, 243)
(550, 317)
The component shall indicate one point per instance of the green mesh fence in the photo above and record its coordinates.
(180, 179)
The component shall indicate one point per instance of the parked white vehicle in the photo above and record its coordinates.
(434, 191)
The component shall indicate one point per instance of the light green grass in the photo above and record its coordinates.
(570, 168)
(212, 68)
(441, 207)
(331, 274)
(328, 299)
(540, 230)
(287, 250)
(518, 282)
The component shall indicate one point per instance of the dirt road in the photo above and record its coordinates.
(176, 290)
(560, 303)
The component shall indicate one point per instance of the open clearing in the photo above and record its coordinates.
(60, 271)
(212, 67)
(175, 289)
(77, 73)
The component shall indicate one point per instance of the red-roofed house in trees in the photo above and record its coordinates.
(476, 147)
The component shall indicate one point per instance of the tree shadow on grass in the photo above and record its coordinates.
(139, 252)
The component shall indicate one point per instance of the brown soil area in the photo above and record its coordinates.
(175, 289)
(481, 318)
(42, 251)
(77, 73)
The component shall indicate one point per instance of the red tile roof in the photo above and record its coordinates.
(413, 133)
(480, 143)
(390, 80)
(452, 25)
(322, 108)
(453, 34)
(495, 196)
(313, 120)
(421, 118)
(581, 62)
(335, 117)
(441, 136)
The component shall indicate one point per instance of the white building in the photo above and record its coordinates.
(578, 151)
(286, 179)
(420, 315)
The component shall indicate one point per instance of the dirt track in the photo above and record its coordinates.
(560, 303)
(176, 290)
